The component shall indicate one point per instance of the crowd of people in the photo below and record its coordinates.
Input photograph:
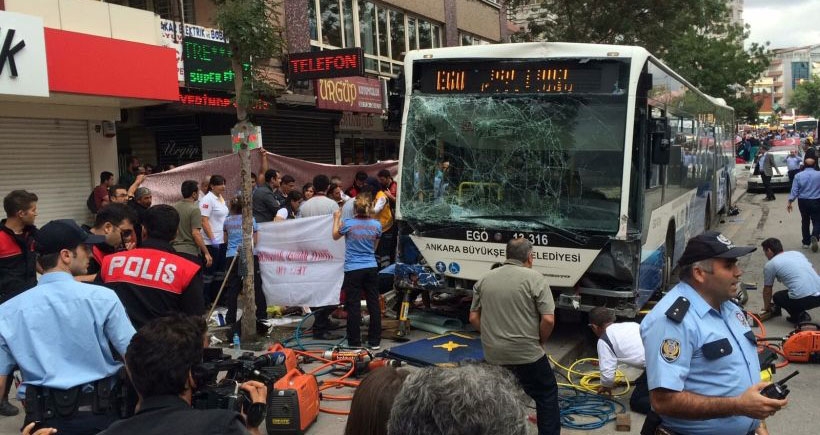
(166, 263)
(159, 260)
(792, 268)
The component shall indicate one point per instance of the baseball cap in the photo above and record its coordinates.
(142, 191)
(61, 234)
(711, 244)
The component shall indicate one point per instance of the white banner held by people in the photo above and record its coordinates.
(301, 264)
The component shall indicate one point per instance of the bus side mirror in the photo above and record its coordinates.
(661, 145)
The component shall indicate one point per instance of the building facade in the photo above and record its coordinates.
(309, 119)
(735, 12)
(790, 66)
(73, 67)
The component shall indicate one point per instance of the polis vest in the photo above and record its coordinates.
(149, 268)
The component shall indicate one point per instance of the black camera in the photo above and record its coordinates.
(224, 393)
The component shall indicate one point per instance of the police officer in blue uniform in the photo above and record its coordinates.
(65, 336)
(701, 355)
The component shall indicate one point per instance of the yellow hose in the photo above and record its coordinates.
(591, 380)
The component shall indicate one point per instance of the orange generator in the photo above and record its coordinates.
(802, 346)
(293, 404)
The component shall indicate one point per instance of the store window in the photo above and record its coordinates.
(331, 22)
(468, 39)
(425, 34)
(411, 34)
(314, 28)
(384, 34)
(367, 33)
(366, 151)
(397, 40)
(349, 32)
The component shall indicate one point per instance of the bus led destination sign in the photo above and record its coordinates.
(345, 62)
(526, 77)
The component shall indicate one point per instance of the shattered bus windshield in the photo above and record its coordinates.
(538, 160)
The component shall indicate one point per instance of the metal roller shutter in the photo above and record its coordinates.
(301, 138)
(49, 157)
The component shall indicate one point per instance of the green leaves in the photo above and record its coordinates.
(255, 37)
(746, 108)
(806, 98)
(693, 37)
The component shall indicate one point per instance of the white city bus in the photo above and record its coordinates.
(806, 125)
(603, 157)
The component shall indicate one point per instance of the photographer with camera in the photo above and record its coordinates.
(160, 362)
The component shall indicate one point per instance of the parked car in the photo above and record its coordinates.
(755, 183)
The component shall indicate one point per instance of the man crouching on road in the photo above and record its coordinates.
(701, 355)
(513, 309)
(159, 362)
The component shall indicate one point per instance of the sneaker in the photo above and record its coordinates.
(805, 246)
(814, 244)
(374, 347)
(8, 409)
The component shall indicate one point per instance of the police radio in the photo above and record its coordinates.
(778, 390)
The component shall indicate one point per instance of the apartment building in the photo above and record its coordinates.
(306, 120)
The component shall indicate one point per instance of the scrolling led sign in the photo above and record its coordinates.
(530, 77)
(325, 64)
(207, 64)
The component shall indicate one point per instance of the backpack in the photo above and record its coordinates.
(91, 204)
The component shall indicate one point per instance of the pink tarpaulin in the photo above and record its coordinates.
(165, 186)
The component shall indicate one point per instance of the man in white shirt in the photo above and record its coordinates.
(619, 343)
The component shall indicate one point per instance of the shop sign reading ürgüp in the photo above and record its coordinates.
(350, 94)
(23, 68)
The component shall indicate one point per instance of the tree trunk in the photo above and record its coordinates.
(247, 297)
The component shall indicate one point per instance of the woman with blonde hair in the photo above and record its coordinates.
(361, 235)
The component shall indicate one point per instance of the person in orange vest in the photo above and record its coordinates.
(384, 214)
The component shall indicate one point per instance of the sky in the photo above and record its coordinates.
(784, 23)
